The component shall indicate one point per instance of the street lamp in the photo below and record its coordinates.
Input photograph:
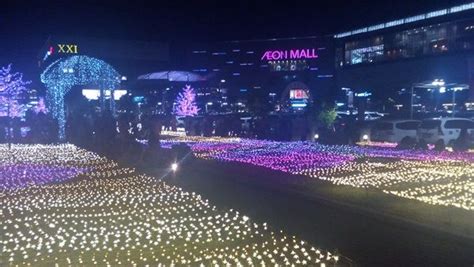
(174, 167)
(442, 87)
(454, 89)
(436, 83)
(208, 104)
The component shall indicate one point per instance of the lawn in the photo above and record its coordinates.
(436, 178)
(108, 215)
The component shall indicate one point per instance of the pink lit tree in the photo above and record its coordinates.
(41, 106)
(11, 83)
(11, 86)
(10, 108)
(185, 104)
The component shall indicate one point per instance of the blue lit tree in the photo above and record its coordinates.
(63, 74)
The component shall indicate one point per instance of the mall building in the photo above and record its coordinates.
(377, 65)
(288, 74)
(389, 58)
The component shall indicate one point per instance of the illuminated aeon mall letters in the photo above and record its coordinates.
(289, 54)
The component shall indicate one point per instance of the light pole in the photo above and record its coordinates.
(411, 101)
(208, 104)
(457, 87)
(454, 102)
(442, 87)
(436, 83)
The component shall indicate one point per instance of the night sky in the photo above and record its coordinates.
(25, 25)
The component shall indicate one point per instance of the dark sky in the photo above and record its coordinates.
(25, 25)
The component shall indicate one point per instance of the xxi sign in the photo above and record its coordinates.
(67, 48)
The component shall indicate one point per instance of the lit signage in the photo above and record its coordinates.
(94, 94)
(289, 54)
(364, 94)
(67, 48)
(298, 94)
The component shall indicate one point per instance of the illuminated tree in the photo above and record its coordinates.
(11, 86)
(11, 83)
(10, 107)
(41, 106)
(185, 104)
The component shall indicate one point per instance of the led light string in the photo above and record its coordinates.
(63, 74)
(116, 216)
(438, 178)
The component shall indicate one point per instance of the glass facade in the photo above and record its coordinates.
(420, 17)
(456, 36)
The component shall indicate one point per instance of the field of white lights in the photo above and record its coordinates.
(438, 178)
(67, 206)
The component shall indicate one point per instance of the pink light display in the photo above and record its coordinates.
(440, 178)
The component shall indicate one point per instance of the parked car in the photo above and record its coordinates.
(445, 130)
(394, 131)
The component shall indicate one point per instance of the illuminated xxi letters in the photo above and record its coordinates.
(67, 48)
(289, 54)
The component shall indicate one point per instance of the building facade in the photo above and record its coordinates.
(379, 63)
(387, 59)
(287, 74)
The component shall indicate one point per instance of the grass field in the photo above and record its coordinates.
(368, 226)
(436, 178)
(65, 205)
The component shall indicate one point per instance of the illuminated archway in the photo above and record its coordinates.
(63, 74)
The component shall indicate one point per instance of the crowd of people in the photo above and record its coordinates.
(35, 128)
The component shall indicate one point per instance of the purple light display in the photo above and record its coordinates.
(22, 175)
(439, 178)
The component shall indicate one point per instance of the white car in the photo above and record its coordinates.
(445, 129)
(393, 131)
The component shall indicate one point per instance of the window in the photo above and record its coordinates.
(430, 124)
(366, 54)
(459, 124)
(285, 65)
(364, 51)
(383, 126)
(408, 125)
(413, 42)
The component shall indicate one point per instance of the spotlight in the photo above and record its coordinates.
(174, 166)
(316, 136)
(365, 137)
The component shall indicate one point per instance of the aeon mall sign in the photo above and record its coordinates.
(309, 53)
